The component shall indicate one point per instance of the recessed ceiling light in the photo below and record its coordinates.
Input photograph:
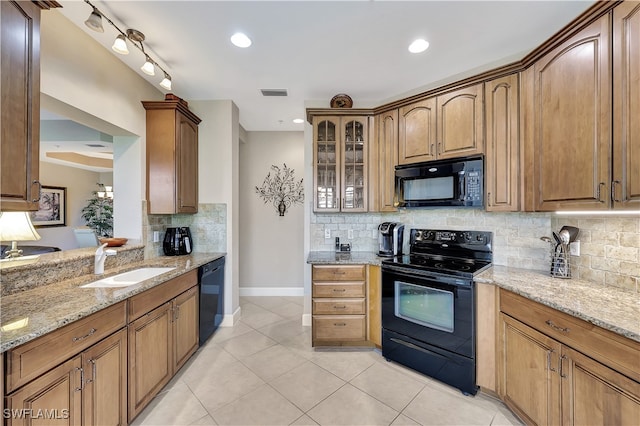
(298, 120)
(418, 46)
(241, 40)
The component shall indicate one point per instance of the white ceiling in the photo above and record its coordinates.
(317, 49)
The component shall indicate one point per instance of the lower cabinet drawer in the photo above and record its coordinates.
(338, 306)
(338, 289)
(343, 328)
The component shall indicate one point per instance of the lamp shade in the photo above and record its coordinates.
(95, 21)
(148, 67)
(166, 82)
(120, 45)
(17, 226)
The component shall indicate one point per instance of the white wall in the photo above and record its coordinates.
(272, 256)
(218, 157)
(80, 185)
(82, 80)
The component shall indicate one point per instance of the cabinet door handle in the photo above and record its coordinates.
(439, 148)
(562, 358)
(339, 272)
(489, 199)
(431, 150)
(339, 324)
(549, 353)
(93, 371)
(557, 328)
(339, 290)
(613, 191)
(81, 370)
(35, 200)
(177, 310)
(77, 339)
(339, 307)
(598, 194)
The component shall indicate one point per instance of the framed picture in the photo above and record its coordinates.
(53, 207)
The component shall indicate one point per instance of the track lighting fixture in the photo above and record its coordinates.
(135, 37)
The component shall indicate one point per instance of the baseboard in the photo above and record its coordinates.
(230, 319)
(306, 320)
(271, 291)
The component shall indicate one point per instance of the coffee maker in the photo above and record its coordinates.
(177, 241)
(390, 235)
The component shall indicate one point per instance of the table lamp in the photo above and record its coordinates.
(14, 227)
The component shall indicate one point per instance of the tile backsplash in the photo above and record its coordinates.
(610, 246)
(208, 228)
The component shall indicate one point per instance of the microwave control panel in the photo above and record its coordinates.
(474, 185)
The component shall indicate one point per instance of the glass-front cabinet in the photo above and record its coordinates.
(340, 163)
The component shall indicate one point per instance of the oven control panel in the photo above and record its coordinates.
(458, 237)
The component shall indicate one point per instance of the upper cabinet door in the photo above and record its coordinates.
(502, 155)
(187, 165)
(387, 159)
(20, 111)
(326, 164)
(572, 122)
(626, 110)
(354, 164)
(460, 126)
(417, 132)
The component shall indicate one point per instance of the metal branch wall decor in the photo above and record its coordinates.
(281, 189)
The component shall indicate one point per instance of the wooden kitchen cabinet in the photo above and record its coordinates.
(340, 163)
(374, 302)
(555, 368)
(78, 370)
(163, 334)
(383, 160)
(150, 357)
(447, 126)
(104, 397)
(339, 307)
(572, 122)
(172, 157)
(626, 106)
(502, 157)
(20, 112)
(53, 398)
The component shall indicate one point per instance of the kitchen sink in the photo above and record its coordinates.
(126, 279)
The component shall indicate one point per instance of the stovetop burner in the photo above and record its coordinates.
(457, 253)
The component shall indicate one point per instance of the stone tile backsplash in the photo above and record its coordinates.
(208, 228)
(610, 246)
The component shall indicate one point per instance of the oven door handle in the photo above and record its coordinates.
(427, 351)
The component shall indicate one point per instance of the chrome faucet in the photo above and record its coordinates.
(101, 255)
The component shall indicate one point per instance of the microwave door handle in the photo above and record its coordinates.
(462, 184)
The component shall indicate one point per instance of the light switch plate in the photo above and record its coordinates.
(327, 233)
(156, 236)
(574, 248)
(350, 234)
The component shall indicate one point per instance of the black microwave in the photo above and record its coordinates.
(457, 182)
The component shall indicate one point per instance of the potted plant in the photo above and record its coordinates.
(98, 215)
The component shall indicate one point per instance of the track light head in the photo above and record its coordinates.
(166, 81)
(148, 67)
(94, 21)
(120, 45)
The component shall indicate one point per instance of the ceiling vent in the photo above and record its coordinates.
(274, 92)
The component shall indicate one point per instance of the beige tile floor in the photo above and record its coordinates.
(263, 371)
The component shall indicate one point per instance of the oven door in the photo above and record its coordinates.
(431, 308)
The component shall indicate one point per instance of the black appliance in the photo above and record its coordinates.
(177, 241)
(456, 182)
(429, 304)
(211, 281)
(390, 238)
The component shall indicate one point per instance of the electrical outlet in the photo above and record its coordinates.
(156, 236)
(350, 234)
(327, 233)
(574, 248)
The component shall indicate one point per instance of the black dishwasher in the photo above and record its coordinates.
(211, 280)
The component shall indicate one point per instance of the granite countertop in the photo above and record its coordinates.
(344, 258)
(611, 308)
(52, 306)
